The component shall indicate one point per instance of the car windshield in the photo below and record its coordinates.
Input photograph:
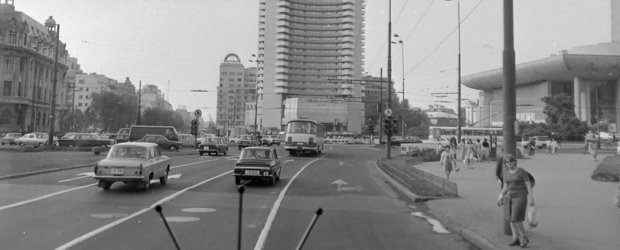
(255, 154)
(135, 152)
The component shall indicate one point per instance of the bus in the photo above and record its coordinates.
(303, 136)
(473, 133)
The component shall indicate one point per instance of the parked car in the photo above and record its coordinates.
(212, 145)
(258, 164)
(9, 138)
(270, 140)
(83, 140)
(247, 141)
(36, 139)
(135, 163)
(162, 141)
(233, 139)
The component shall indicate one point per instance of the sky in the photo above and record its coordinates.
(179, 45)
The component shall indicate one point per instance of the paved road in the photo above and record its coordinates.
(65, 208)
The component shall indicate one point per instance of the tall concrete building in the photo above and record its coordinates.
(237, 88)
(309, 51)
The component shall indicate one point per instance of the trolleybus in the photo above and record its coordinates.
(303, 136)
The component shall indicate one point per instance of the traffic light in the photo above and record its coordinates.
(194, 127)
(394, 126)
(371, 129)
(387, 125)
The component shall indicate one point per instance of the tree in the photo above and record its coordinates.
(112, 111)
(561, 120)
(162, 117)
(416, 120)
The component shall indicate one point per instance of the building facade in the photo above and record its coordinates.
(27, 56)
(151, 97)
(236, 90)
(310, 49)
(88, 84)
(589, 74)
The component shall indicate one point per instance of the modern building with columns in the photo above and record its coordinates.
(589, 74)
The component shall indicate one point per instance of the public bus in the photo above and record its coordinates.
(303, 136)
(473, 133)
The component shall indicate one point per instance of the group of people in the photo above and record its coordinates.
(467, 151)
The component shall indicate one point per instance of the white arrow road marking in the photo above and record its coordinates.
(81, 176)
(339, 183)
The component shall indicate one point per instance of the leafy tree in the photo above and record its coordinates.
(162, 117)
(561, 121)
(416, 120)
(112, 111)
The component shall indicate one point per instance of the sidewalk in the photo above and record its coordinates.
(575, 211)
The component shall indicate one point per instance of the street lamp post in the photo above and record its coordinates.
(402, 111)
(458, 112)
(389, 80)
(256, 101)
(51, 26)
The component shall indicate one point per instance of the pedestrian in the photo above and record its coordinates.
(593, 151)
(586, 147)
(447, 161)
(478, 150)
(469, 156)
(532, 146)
(462, 150)
(485, 150)
(515, 196)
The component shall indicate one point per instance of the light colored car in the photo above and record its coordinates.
(258, 164)
(36, 139)
(541, 141)
(135, 163)
(10, 138)
(188, 140)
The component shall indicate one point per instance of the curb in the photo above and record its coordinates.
(469, 235)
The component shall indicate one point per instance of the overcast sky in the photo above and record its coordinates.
(179, 45)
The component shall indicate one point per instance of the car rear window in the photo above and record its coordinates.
(128, 152)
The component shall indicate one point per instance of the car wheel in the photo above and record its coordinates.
(278, 175)
(147, 184)
(226, 151)
(237, 180)
(201, 153)
(273, 180)
(107, 185)
(164, 179)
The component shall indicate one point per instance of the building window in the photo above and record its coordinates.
(8, 64)
(13, 37)
(7, 88)
(19, 89)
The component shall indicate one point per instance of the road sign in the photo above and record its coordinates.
(197, 113)
(388, 112)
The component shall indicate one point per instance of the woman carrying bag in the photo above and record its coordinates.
(515, 196)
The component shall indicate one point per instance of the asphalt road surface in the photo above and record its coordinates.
(66, 209)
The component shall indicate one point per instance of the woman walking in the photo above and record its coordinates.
(469, 156)
(447, 161)
(515, 196)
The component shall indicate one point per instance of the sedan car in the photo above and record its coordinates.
(83, 140)
(36, 139)
(136, 163)
(213, 145)
(9, 138)
(246, 141)
(258, 164)
(270, 140)
(162, 141)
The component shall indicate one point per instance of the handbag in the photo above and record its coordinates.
(531, 216)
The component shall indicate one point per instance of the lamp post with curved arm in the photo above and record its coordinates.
(402, 111)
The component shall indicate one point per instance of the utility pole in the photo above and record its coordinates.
(389, 76)
(139, 103)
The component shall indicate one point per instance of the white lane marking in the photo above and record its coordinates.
(91, 174)
(136, 214)
(82, 175)
(287, 161)
(437, 226)
(45, 197)
(274, 210)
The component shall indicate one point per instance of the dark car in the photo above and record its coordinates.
(162, 141)
(83, 140)
(258, 164)
(247, 141)
(213, 145)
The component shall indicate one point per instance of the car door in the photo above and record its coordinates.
(158, 167)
